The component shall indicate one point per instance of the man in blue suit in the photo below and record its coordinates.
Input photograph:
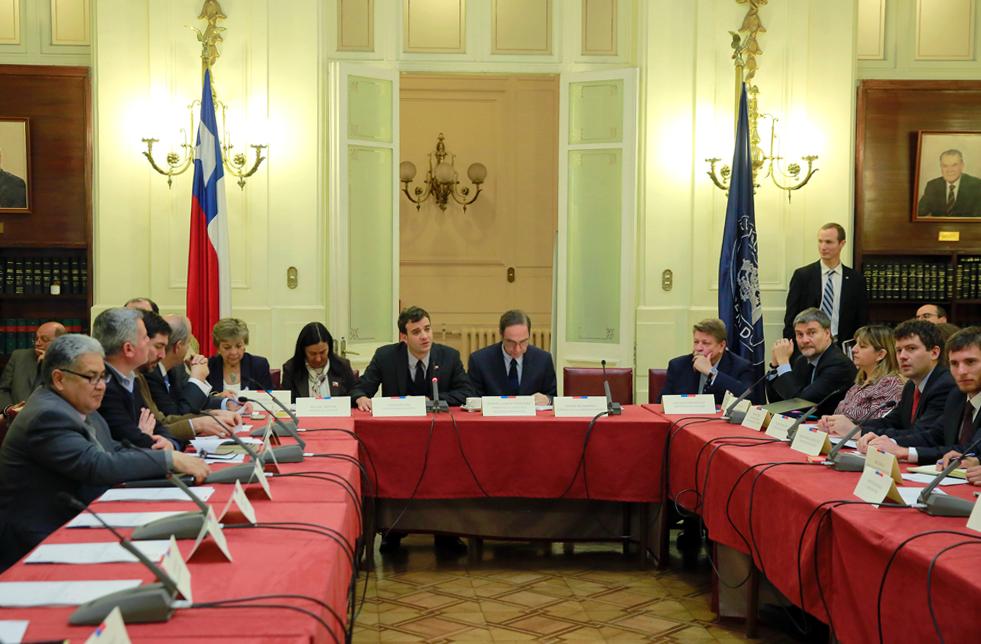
(709, 368)
(512, 367)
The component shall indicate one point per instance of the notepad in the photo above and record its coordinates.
(94, 553)
(118, 519)
(928, 478)
(959, 473)
(153, 494)
(23, 594)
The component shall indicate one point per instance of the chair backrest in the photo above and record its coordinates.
(276, 375)
(582, 381)
(655, 383)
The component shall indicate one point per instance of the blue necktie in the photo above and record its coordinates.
(513, 383)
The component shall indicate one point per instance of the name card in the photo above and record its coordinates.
(974, 521)
(111, 631)
(779, 424)
(284, 396)
(507, 405)
(213, 528)
(688, 404)
(875, 486)
(884, 462)
(755, 418)
(811, 441)
(333, 407)
(398, 406)
(727, 401)
(173, 564)
(578, 406)
(241, 501)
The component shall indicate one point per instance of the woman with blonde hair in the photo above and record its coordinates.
(878, 380)
(233, 368)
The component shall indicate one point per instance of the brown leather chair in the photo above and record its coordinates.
(580, 381)
(276, 375)
(655, 383)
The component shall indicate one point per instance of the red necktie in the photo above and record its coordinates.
(916, 403)
(967, 424)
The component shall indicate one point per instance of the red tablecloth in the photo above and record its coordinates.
(854, 542)
(266, 561)
(516, 457)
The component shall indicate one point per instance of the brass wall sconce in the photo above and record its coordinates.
(441, 181)
(179, 160)
(785, 177)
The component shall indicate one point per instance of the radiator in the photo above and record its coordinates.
(475, 338)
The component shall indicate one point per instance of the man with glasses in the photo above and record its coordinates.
(932, 313)
(513, 367)
(59, 444)
(22, 372)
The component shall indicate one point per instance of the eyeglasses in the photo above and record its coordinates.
(93, 380)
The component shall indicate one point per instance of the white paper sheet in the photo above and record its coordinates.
(154, 494)
(926, 478)
(837, 439)
(12, 630)
(210, 444)
(910, 494)
(24, 594)
(224, 458)
(118, 519)
(92, 553)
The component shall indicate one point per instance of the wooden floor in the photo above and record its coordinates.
(521, 592)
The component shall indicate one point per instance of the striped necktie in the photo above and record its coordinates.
(828, 299)
(951, 198)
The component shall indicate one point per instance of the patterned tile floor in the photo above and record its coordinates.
(520, 592)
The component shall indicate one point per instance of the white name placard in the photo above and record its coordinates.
(507, 405)
(755, 418)
(284, 396)
(111, 631)
(811, 441)
(398, 406)
(688, 404)
(884, 462)
(173, 564)
(333, 407)
(974, 521)
(578, 406)
(727, 401)
(779, 425)
(876, 486)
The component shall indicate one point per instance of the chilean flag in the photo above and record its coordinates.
(209, 295)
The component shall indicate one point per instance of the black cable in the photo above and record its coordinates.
(361, 445)
(233, 603)
(582, 457)
(330, 477)
(459, 444)
(929, 587)
(422, 474)
(353, 461)
(673, 428)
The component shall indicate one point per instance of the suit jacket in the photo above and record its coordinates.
(339, 374)
(833, 371)
(254, 369)
(179, 425)
(489, 376)
(943, 436)
(49, 450)
(805, 292)
(189, 398)
(389, 368)
(929, 411)
(735, 375)
(934, 199)
(121, 411)
(13, 191)
(19, 377)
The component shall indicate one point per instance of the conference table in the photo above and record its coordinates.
(818, 544)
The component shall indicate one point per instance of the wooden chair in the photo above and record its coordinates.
(655, 383)
(582, 381)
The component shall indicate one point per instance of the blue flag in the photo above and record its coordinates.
(740, 306)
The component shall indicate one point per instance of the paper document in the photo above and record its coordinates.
(849, 443)
(959, 473)
(153, 494)
(911, 494)
(212, 444)
(118, 519)
(93, 553)
(224, 458)
(926, 478)
(59, 593)
(12, 630)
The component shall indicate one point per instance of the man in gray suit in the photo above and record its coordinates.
(58, 443)
(20, 376)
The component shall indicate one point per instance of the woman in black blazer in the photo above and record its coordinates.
(234, 369)
(315, 370)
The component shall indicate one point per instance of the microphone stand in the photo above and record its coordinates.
(612, 408)
(437, 405)
(792, 430)
(736, 417)
(852, 462)
(282, 428)
(945, 505)
(284, 453)
(244, 473)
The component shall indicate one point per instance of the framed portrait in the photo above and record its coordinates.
(948, 176)
(15, 165)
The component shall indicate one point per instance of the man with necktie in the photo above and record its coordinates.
(829, 285)
(954, 193)
(513, 367)
(709, 368)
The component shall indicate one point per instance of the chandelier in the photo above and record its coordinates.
(441, 181)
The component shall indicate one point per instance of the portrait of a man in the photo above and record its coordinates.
(955, 194)
(14, 165)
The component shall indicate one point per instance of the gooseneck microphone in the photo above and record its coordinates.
(945, 505)
(792, 430)
(283, 453)
(437, 405)
(243, 473)
(613, 408)
(853, 462)
(149, 603)
(290, 429)
(736, 417)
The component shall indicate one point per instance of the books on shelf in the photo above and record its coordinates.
(26, 275)
(893, 280)
(18, 333)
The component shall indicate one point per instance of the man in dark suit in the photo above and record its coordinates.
(13, 189)
(709, 368)
(23, 369)
(408, 367)
(59, 444)
(821, 369)
(512, 367)
(919, 346)
(960, 424)
(954, 193)
(123, 336)
(844, 300)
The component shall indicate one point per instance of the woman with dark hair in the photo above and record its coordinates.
(315, 370)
